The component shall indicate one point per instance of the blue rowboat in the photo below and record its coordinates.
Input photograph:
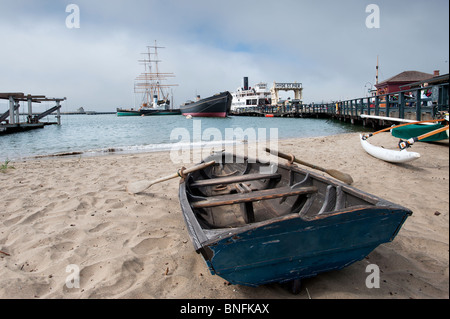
(257, 223)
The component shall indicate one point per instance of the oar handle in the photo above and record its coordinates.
(346, 178)
(440, 130)
(182, 172)
(141, 186)
(292, 158)
(198, 167)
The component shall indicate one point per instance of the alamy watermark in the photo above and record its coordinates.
(373, 19)
(73, 19)
(73, 279)
(203, 142)
(373, 279)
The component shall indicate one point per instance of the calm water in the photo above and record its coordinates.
(99, 134)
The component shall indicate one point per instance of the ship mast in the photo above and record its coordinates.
(376, 80)
(150, 82)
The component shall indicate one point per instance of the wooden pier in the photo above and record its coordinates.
(416, 103)
(10, 121)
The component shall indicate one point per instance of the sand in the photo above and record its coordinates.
(67, 214)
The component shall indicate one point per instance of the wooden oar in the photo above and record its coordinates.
(405, 144)
(346, 178)
(139, 187)
(400, 125)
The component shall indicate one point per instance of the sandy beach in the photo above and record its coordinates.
(63, 213)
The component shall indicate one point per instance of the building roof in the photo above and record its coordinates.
(434, 80)
(406, 77)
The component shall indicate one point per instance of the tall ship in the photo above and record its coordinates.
(150, 88)
(218, 105)
(246, 96)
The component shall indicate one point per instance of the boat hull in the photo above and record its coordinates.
(215, 106)
(295, 245)
(122, 112)
(328, 244)
(388, 155)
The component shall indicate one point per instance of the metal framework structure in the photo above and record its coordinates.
(11, 117)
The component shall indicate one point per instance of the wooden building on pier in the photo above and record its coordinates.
(394, 83)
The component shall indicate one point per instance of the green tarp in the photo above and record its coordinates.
(416, 130)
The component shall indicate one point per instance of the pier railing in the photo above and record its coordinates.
(416, 104)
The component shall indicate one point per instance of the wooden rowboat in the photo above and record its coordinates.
(257, 223)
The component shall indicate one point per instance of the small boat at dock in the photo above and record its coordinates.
(147, 112)
(258, 223)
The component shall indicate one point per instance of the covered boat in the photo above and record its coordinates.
(258, 223)
(217, 105)
(414, 130)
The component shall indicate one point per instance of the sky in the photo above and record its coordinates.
(210, 45)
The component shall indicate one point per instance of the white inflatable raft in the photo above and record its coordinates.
(387, 155)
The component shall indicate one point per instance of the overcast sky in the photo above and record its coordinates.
(210, 45)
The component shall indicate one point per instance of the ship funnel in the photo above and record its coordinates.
(245, 83)
(155, 100)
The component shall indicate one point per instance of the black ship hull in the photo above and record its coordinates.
(214, 106)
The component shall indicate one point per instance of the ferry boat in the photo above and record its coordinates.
(151, 88)
(246, 96)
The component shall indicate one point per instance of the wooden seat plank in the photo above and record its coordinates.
(232, 179)
(253, 196)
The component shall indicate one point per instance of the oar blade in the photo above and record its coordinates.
(138, 187)
(346, 178)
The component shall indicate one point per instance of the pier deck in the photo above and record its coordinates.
(10, 122)
(413, 104)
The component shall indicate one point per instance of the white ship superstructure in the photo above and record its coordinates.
(246, 96)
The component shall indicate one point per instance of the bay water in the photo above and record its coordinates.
(107, 133)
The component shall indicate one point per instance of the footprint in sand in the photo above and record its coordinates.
(107, 281)
(156, 242)
(100, 227)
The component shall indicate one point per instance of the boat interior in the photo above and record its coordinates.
(228, 195)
